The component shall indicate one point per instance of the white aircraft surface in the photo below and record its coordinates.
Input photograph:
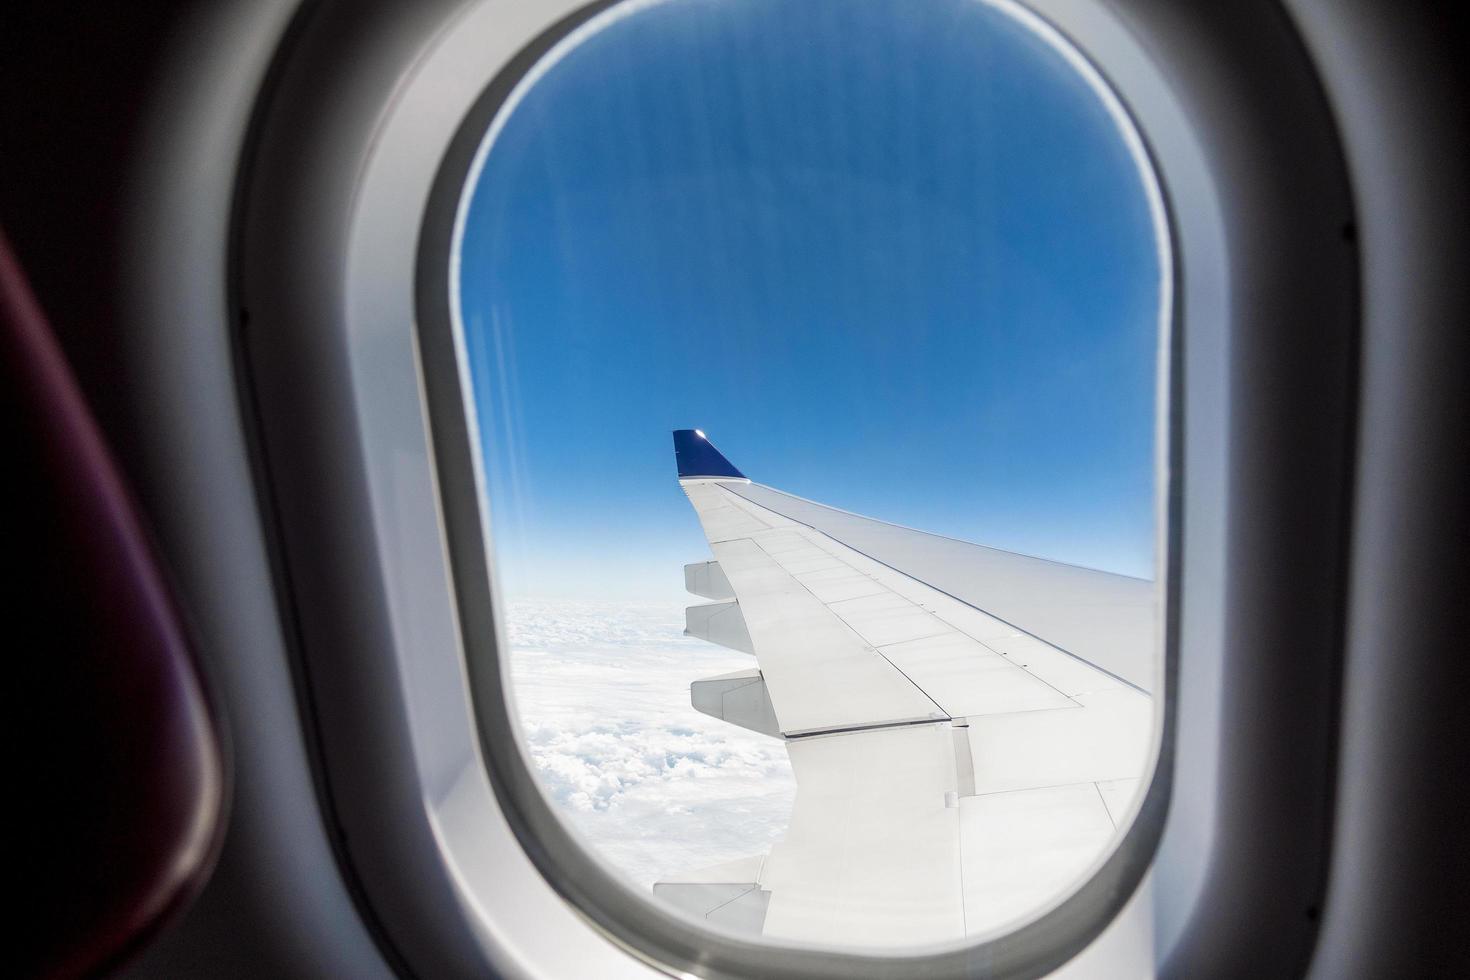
(968, 726)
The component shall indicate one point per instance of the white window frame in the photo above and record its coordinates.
(344, 230)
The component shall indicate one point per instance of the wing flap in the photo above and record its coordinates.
(1108, 738)
(872, 855)
(1023, 848)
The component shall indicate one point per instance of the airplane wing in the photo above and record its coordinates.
(967, 726)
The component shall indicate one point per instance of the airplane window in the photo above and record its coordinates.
(815, 353)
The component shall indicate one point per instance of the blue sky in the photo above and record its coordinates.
(893, 256)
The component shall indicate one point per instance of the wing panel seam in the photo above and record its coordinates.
(1076, 657)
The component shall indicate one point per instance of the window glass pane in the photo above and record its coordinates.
(900, 258)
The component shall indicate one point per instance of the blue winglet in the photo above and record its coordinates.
(697, 457)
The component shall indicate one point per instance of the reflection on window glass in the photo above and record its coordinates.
(897, 259)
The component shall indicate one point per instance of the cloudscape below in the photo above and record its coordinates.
(651, 785)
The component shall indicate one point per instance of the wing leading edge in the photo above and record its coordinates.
(956, 771)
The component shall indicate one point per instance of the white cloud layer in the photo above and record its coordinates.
(653, 786)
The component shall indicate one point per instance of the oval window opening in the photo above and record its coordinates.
(815, 353)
